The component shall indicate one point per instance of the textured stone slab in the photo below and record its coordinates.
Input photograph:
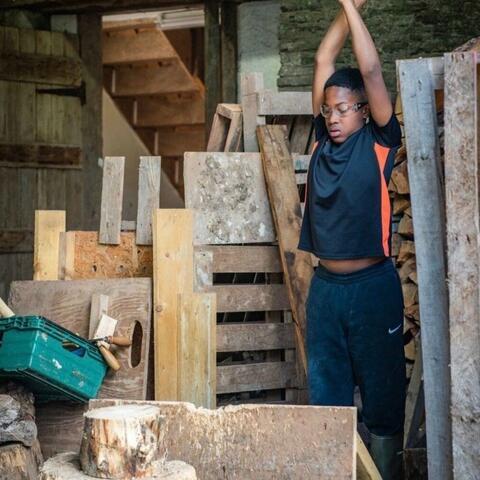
(229, 196)
(258, 441)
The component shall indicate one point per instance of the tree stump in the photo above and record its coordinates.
(120, 442)
(66, 466)
(18, 462)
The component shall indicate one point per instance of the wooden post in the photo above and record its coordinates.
(150, 171)
(197, 348)
(213, 81)
(48, 226)
(229, 51)
(172, 274)
(112, 199)
(251, 83)
(428, 208)
(463, 239)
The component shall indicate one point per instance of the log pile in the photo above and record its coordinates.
(20, 454)
(403, 249)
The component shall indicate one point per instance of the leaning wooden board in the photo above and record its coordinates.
(68, 304)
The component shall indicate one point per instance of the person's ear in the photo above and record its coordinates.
(366, 112)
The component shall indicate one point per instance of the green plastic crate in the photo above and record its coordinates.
(54, 363)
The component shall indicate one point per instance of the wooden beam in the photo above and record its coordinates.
(242, 259)
(250, 298)
(255, 376)
(155, 79)
(48, 226)
(426, 189)
(172, 274)
(463, 237)
(112, 200)
(197, 354)
(175, 141)
(285, 204)
(136, 46)
(283, 103)
(366, 468)
(45, 69)
(240, 337)
(40, 156)
(213, 72)
(150, 170)
(228, 42)
(251, 83)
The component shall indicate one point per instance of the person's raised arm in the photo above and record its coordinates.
(327, 53)
(369, 65)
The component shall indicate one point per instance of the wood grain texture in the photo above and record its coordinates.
(40, 156)
(68, 304)
(426, 186)
(197, 353)
(48, 226)
(239, 337)
(172, 274)
(295, 442)
(150, 170)
(463, 237)
(112, 198)
(136, 46)
(285, 204)
(227, 192)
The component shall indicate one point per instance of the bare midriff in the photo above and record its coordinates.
(350, 265)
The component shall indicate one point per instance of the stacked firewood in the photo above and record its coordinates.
(403, 249)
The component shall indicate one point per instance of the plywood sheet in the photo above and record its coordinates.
(68, 304)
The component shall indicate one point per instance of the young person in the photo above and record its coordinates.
(355, 302)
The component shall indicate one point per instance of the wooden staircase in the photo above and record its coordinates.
(159, 96)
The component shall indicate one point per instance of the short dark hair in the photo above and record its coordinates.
(347, 77)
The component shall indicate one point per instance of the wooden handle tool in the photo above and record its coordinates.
(5, 311)
(112, 362)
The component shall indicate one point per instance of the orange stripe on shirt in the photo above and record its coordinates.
(382, 155)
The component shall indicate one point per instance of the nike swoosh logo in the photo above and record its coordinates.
(394, 330)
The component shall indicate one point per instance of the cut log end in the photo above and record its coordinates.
(121, 442)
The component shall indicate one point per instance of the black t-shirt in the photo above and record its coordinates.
(347, 207)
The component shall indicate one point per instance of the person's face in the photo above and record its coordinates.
(340, 127)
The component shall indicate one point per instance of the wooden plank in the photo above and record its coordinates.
(239, 337)
(218, 133)
(98, 308)
(68, 303)
(285, 204)
(88, 259)
(197, 355)
(172, 274)
(174, 142)
(234, 140)
(148, 197)
(270, 102)
(16, 241)
(134, 46)
(135, 81)
(48, 226)
(227, 191)
(250, 298)
(256, 376)
(366, 468)
(112, 199)
(300, 136)
(251, 83)
(463, 237)
(426, 187)
(33, 68)
(39, 155)
(415, 402)
(243, 259)
(287, 442)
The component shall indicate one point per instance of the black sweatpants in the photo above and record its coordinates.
(355, 337)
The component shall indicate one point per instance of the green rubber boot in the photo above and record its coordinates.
(387, 453)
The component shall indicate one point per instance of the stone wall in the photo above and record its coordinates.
(400, 28)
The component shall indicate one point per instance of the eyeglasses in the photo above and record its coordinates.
(342, 109)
